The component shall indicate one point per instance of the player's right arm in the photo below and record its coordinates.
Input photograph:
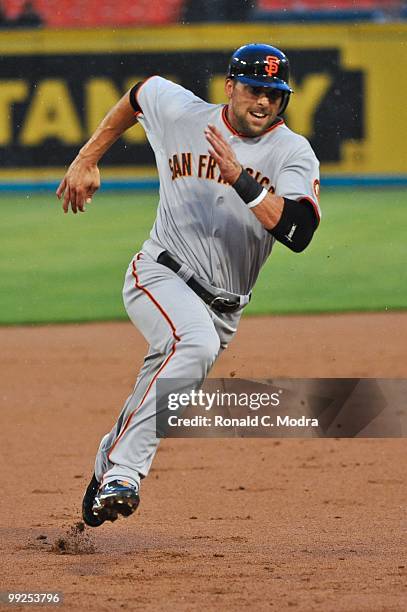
(291, 218)
(82, 178)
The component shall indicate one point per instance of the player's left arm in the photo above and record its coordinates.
(291, 222)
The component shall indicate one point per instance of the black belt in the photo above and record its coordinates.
(214, 301)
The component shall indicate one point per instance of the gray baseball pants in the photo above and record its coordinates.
(185, 337)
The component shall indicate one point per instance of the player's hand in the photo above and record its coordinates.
(79, 184)
(223, 154)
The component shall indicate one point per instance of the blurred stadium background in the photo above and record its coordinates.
(64, 64)
(97, 13)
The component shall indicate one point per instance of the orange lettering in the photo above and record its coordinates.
(177, 167)
(171, 168)
(186, 164)
(202, 165)
(316, 188)
(273, 64)
(210, 171)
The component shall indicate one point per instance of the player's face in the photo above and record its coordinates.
(251, 110)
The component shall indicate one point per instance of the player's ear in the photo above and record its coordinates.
(229, 86)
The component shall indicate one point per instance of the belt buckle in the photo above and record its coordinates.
(223, 304)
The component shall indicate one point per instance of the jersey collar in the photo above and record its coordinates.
(277, 122)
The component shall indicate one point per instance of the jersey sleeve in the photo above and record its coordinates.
(161, 102)
(299, 177)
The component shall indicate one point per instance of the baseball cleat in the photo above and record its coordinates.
(87, 503)
(115, 498)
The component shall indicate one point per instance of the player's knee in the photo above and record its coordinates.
(203, 346)
(210, 348)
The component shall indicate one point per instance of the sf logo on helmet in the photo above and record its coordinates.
(273, 64)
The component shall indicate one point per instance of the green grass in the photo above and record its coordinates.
(356, 261)
(57, 267)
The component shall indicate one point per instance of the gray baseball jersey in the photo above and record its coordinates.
(201, 219)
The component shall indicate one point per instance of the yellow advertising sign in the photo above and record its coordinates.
(350, 88)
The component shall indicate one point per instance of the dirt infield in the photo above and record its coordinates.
(223, 524)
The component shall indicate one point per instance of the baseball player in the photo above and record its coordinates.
(233, 180)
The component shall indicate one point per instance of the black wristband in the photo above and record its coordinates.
(247, 187)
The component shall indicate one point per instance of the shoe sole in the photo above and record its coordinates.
(111, 507)
(89, 518)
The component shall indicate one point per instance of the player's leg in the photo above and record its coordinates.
(151, 365)
(177, 323)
